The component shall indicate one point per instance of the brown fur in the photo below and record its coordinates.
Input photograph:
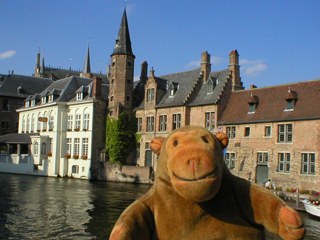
(194, 196)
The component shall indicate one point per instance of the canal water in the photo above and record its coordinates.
(63, 208)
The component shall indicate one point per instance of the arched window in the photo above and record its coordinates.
(28, 124)
(23, 124)
(35, 148)
(43, 149)
(32, 123)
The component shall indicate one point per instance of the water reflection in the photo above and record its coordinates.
(60, 208)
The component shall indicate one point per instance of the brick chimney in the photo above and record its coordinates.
(235, 70)
(96, 88)
(205, 65)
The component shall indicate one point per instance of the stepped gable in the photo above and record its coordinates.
(28, 85)
(272, 104)
(204, 97)
(185, 81)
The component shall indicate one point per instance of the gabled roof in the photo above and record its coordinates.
(272, 104)
(203, 97)
(29, 85)
(185, 81)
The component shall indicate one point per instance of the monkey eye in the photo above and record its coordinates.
(205, 139)
(175, 143)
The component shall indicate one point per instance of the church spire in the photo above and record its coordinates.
(86, 68)
(123, 43)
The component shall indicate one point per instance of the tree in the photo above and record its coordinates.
(120, 137)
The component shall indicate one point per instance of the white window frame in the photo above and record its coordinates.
(176, 121)
(86, 121)
(162, 123)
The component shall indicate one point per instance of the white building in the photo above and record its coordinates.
(65, 124)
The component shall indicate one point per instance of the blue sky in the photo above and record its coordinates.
(278, 40)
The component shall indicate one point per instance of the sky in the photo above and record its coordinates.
(278, 40)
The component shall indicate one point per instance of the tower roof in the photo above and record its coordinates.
(86, 68)
(123, 43)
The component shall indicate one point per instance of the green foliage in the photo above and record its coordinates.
(120, 137)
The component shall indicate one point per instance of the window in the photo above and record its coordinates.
(252, 107)
(231, 132)
(284, 162)
(23, 124)
(284, 133)
(78, 121)
(50, 144)
(28, 124)
(6, 105)
(39, 124)
(176, 121)
(32, 124)
(86, 118)
(70, 120)
(150, 124)
(27, 104)
(85, 142)
(51, 98)
(163, 123)
(79, 96)
(33, 102)
(139, 122)
(5, 124)
(43, 100)
(150, 95)
(308, 163)
(247, 131)
(137, 152)
(128, 98)
(21, 104)
(267, 131)
(111, 99)
(230, 160)
(76, 146)
(210, 121)
(69, 145)
(128, 81)
(289, 104)
(262, 157)
(44, 125)
(51, 122)
(75, 169)
(43, 149)
(36, 148)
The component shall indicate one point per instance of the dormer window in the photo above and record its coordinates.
(172, 88)
(27, 104)
(253, 103)
(51, 98)
(33, 102)
(291, 100)
(43, 100)
(210, 86)
(79, 96)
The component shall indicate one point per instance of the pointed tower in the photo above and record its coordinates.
(121, 73)
(42, 69)
(37, 68)
(86, 69)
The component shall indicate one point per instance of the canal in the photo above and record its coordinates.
(62, 208)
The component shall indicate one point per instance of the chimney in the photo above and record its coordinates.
(96, 88)
(235, 70)
(144, 73)
(253, 86)
(205, 65)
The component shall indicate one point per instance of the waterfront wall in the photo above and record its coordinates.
(118, 173)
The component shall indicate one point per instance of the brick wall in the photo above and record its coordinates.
(304, 141)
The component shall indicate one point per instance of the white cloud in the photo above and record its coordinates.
(7, 54)
(252, 68)
(194, 64)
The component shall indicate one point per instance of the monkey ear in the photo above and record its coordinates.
(223, 139)
(156, 144)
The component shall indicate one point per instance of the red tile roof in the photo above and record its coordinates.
(272, 104)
